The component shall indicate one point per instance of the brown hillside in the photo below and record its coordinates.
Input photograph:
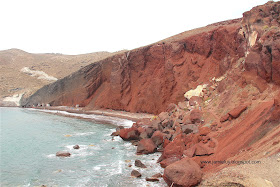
(14, 81)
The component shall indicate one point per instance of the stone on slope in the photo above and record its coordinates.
(185, 172)
(236, 112)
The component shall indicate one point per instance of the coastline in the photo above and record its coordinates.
(113, 117)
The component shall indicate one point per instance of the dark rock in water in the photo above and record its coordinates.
(152, 179)
(63, 154)
(158, 175)
(76, 147)
(139, 164)
(135, 173)
(117, 133)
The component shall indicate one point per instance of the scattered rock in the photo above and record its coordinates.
(152, 179)
(63, 154)
(171, 107)
(146, 146)
(174, 148)
(189, 128)
(158, 138)
(76, 147)
(158, 175)
(183, 105)
(139, 164)
(185, 172)
(135, 173)
(162, 116)
(129, 133)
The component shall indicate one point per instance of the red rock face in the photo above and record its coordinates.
(148, 79)
(261, 28)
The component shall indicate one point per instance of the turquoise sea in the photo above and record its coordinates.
(30, 139)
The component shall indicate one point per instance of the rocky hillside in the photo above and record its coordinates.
(147, 79)
(227, 130)
(25, 73)
(215, 93)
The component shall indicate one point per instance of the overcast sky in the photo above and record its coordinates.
(84, 26)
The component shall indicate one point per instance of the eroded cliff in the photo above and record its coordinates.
(147, 79)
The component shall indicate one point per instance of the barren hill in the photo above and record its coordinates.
(215, 93)
(24, 73)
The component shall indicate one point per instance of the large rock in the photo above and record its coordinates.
(146, 146)
(63, 154)
(168, 161)
(158, 138)
(174, 148)
(129, 133)
(185, 173)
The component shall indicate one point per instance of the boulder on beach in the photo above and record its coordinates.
(63, 154)
(146, 146)
(129, 133)
(185, 172)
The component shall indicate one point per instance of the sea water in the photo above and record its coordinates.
(29, 140)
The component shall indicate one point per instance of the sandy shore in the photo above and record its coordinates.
(108, 116)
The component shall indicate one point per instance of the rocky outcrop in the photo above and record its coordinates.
(261, 29)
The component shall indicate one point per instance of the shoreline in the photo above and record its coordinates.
(113, 117)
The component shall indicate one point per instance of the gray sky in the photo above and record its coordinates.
(84, 26)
